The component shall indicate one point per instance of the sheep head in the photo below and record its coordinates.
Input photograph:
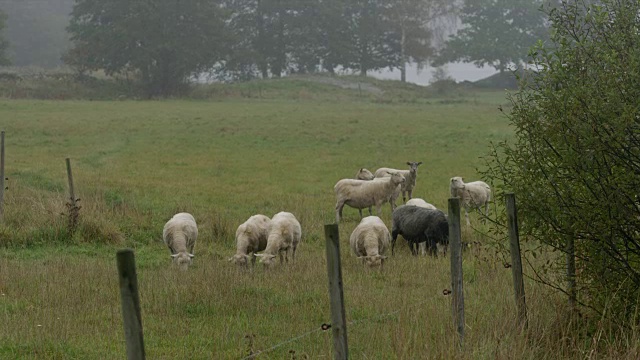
(240, 259)
(413, 166)
(267, 259)
(373, 260)
(183, 260)
(396, 177)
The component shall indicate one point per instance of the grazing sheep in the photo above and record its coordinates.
(417, 225)
(251, 237)
(472, 195)
(180, 234)
(360, 194)
(410, 177)
(284, 235)
(364, 174)
(370, 240)
(423, 204)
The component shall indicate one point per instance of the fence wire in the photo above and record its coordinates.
(325, 327)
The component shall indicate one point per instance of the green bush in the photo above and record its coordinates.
(575, 161)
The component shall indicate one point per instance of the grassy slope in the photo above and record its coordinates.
(137, 163)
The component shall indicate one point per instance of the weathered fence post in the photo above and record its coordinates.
(516, 259)
(1, 176)
(130, 304)
(456, 266)
(74, 210)
(334, 268)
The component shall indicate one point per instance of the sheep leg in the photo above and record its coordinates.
(466, 215)
(293, 254)
(394, 236)
(360, 212)
(423, 248)
(413, 247)
(410, 193)
(281, 257)
(253, 260)
(370, 213)
(339, 206)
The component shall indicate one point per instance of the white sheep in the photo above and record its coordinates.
(421, 203)
(406, 188)
(284, 235)
(370, 240)
(360, 194)
(180, 234)
(364, 174)
(251, 237)
(472, 195)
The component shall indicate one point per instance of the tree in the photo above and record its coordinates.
(4, 44)
(370, 43)
(163, 42)
(411, 21)
(497, 33)
(575, 161)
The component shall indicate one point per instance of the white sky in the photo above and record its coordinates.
(458, 71)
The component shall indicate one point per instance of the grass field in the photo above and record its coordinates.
(137, 163)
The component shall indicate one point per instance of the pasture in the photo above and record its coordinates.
(136, 163)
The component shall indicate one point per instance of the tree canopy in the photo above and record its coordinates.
(162, 42)
(575, 161)
(497, 33)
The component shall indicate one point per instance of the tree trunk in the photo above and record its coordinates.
(403, 57)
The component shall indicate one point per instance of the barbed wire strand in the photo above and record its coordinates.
(322, 328)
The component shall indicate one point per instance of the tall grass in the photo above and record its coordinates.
(135, 164)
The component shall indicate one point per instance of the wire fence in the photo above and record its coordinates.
(326, 326)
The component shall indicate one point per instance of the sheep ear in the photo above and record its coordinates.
(382, 257)
(174, 255)
(409, 163)
(230, 259)
(361, 169)
(258, 255)
(191, 256)
(361, 257)
(419, 162)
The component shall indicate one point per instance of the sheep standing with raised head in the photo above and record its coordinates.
(180, 234)
(360, 194)
(370, 240)
(406, 188)
(251, 237)
(472, 195)
(364, 174)
(284, 236)
(417, 225)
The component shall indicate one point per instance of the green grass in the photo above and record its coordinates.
(135, 164)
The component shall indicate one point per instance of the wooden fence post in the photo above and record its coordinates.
(130, 304)
(74, 210)
(1, 176)
(456, 267)
(516, 259)
(338, 322)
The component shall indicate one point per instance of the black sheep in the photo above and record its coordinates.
(417, 224)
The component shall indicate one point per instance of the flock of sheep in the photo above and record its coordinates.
(421, 224)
